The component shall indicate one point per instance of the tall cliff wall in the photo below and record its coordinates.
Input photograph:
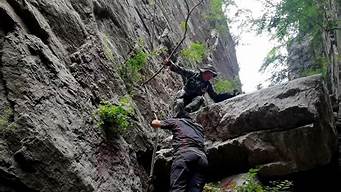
(302, 56)
(58, 60)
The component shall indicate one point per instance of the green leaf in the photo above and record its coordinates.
(115, 118)
(195, 52)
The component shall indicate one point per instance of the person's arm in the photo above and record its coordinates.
(219, 97)
(165, 124)
(179, 70)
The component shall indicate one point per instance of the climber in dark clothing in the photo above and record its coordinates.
(190, 98)
(190, 161)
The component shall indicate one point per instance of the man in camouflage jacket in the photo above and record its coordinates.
(190, 98)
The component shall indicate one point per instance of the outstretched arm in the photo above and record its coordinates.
(219, 97)
(179, 70)
(165, 124)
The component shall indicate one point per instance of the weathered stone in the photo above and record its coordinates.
(285, 125)
(282, 130)
(291, 105)
(58, 60)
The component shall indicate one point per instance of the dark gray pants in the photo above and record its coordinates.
(187, 172)
(183, 103)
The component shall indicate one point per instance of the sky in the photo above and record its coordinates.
(251, 49)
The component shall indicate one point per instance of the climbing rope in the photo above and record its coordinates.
(189, 12)
(156, 140)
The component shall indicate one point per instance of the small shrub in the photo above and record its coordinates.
(195, 52)
(224, 85)
(136, 63)
(114, 119)
(130, 70)
(252, 185)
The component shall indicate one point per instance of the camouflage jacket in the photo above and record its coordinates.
(196, 86)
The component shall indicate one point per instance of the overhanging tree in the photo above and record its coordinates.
(290, 20)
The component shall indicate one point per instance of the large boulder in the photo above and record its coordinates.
(282, 129)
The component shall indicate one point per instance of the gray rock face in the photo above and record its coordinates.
(58, 60)
(291, 105)
(301, 58)
(283, 129)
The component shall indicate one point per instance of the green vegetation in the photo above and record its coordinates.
(224, 85)
(289, 21)
(195, 52)
(130, 70)
(157, 52)
(312, 71)
(114, 119)
(252, 185)
(135, 64)
(274, 58)
(291, 18)
(322, 68)
(107, 48)
(216, 14)
(212, 188)
(5, 118)
(279, 186)
(183, 25)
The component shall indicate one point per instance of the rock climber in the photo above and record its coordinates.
(190, 161)
(196, 84)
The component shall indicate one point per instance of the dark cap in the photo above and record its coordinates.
(209, 68)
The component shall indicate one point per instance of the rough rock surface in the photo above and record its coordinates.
(283, 129)
(302, 58)
(58, 60)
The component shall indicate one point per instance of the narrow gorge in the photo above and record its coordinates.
(60, 59)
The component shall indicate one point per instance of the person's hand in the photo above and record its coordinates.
(156, 123)
(236, 92)
(167, 62)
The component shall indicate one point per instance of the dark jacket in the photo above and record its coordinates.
(196, 86)
(186, 133)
